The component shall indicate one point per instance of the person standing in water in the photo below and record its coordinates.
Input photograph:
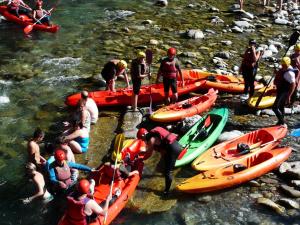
(33, 148)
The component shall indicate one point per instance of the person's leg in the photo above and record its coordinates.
(276, 109)
(241, 3)
(75, 146)
(251, 84)
(279, 4)
(174, 90)
(246, 81)
(166, 84)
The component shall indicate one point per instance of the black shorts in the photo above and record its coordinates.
(136, 85)
(170, 83)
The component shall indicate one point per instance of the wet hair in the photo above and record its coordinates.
(61, 140)
(30, 167)
(38, 133)
(84, 94)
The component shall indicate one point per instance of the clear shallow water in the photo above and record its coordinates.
(37, 72)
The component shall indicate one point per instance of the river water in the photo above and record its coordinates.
(39, 71)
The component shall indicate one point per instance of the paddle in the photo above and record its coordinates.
(293, 39)
(206, 124)
(117, 147)
(149, 58)
(243, 153)
(29, 28)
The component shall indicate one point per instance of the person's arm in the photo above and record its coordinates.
(126, 78)
(177, 65)
(159, 73)
(72, 136)
(140, 72)
(290, 77)
(79, 166)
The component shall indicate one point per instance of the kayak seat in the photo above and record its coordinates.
(260, 158)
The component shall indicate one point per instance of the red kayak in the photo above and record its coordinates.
(127, 186)
(122, 96)
(24, 21)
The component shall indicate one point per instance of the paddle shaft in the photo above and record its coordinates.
(149, 58)
(115, 165)
(293, 39)
(39, 20)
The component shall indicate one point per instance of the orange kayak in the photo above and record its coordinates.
(226, 153)
(131, 148)
(235, 174)
(186, 108)
(224, 83)
(123, 96)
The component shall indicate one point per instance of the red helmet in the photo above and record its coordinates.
(141, 133)
(172, 51)
(83, 186)
(59, 155)
(39, 3)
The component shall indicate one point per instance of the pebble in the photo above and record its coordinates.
(226, 42)
(214, 9)
(236, 29)
(223, 55)
(153, 42)
(204, 199)
(282, 21)
(147, 22)
(228, 135)
(296, 183)
(254, 183)
(195, 34)
(242, 24)
(161, 3)
(256, 195)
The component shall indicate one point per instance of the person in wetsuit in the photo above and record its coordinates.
(285, 83)
(165, 142)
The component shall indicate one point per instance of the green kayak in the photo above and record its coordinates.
(202, 135)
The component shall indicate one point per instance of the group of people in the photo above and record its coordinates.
(61, 168)
(266, 3)
(38, 14)
(286, 78)
(169, 70)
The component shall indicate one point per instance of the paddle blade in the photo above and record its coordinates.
(294, 38)
(182, 153)
(119, 142)
(207, 121)
(149, 56)
(28, 29)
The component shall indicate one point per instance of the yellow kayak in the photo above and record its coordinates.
(267, 100)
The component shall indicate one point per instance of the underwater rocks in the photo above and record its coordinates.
(195, 34)
(276, 207)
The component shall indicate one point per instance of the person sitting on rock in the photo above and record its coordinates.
(79, 139)
(60, 171)
(39, 184)
(90, 106)
(81, 206)
(113, 69)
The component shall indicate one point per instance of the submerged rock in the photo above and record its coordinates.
(242, 24)
(282, 21)
(162, 3)
(267, 202)
(204, 199)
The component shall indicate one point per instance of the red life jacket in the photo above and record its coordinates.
(63, 174)
(75, 211)
(249, 59)
(165, 136)
(169, 69)
(281, 84)
(109, 172)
